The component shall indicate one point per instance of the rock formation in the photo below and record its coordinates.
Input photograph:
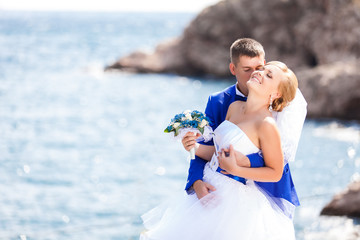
(332, 90)
(346, 203)
(311, 37)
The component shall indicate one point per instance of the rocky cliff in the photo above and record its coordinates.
(320, 40)
(332, 90)
(346, 203)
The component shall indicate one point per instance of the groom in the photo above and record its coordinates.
(247, 55)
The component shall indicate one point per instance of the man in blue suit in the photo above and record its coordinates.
(247, 55)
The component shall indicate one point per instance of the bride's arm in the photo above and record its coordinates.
(273, 156)
(204, 151)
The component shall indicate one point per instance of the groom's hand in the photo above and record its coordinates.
(189, 140)
(202, 188)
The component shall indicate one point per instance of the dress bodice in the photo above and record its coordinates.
(282, 194)
(229, 133)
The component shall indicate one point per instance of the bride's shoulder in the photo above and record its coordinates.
(234, 107)
(267, 125)
(236, 104)
(268, 120)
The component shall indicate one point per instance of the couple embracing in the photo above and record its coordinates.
(240, 185)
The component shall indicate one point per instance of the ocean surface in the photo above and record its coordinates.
(83, 153)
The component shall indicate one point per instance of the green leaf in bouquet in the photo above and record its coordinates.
(201, 130)
(176, 132)
(169, 129)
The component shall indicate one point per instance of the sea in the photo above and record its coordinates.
(83, 153)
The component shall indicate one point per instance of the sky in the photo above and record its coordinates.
(107, 5)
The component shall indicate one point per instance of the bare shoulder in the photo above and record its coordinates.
(233, 107)
(268, 126)
(268, 121)
(236, 104)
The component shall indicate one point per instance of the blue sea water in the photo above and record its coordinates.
(83, 153)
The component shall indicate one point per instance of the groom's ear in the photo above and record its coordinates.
(232, 68)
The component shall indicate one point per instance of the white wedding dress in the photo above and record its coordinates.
(233, 211)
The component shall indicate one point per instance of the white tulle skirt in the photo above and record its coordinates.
(233, 211)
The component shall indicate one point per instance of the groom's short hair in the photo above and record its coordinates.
(245, 47)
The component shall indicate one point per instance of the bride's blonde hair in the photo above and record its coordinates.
(287, 87)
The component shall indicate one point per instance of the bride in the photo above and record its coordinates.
(236, 210)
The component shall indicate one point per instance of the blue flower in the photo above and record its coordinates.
(185, 123)
(194, 123)
(178, 117)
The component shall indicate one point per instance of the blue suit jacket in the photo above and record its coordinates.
(216, 110)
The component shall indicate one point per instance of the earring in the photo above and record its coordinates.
(270, 105)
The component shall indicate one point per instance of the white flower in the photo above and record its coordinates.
(188, 116)
(176, 124)
(203, 123)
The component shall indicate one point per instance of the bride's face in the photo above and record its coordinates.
(266, 80)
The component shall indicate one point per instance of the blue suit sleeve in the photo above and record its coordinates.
(196, 172)
(256, 160)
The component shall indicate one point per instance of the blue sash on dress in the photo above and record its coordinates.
(239, 179)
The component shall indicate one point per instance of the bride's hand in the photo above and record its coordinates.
(227, 160)
(189, 140)
(242, 160)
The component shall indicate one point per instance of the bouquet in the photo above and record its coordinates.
(190, 121)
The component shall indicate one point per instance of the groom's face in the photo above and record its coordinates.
(243, 69)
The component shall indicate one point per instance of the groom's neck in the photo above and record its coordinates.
(239, 92)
